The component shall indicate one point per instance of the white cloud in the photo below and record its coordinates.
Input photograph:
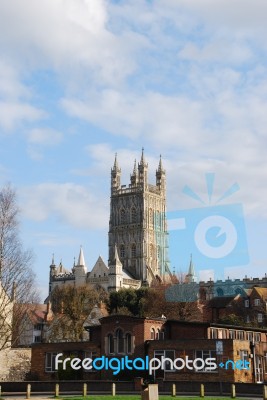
(68, 36)
(44, 137)
(14, 113)
(67, 202)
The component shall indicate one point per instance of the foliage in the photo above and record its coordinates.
(151, 302)
(129, 301)
(232, 319)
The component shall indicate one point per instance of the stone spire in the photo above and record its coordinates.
(117, 260)
(160, 176)
(191, 276)
(160, 169)
(116, 165)
(115, 175)
(81, 261)
(142, 161)
(142, 168)
(80, 270)
(134, 176)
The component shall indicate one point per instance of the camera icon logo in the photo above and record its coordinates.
(214, 234)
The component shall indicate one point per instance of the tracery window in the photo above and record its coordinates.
(133, 250)
(122, 216)
(128, 339)
(120, 341)
(133, 215)
(122, 251)
(110, 344)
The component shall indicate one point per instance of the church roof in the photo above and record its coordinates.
(126, 275)
(99, 267)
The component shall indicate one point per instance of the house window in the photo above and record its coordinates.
(231, 334)
(246, 303)
(50, 362)
(169, 356)
(244, 355)
(120, 341)
(250, 336)
(110, 344)
(247, 319)
(123, 216)
(240, 335)
(128, 339)
(256, 302)
(213, 333)
(122, 251)
(204, 354)
(133, 215)
(133, 250)
(260, 317)
(152, 334)
(257, 337)
(37, 339)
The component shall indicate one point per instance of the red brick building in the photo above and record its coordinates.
(120, 336)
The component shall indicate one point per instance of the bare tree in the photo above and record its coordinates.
(17, 280)
(71, 306)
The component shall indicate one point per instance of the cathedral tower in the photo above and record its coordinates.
(138, 224)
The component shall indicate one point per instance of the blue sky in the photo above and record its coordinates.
(83, 79)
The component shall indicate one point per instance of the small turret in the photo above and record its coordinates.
(80, 269)
(160, 176)
(115, 272)
(142, 169)
(134, 176)
(115, 175)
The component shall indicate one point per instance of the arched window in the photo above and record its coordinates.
(158, 252)
(133, 215)
(123, 216)
(120, 341)
(157, 334)
(157, 219)
(128, 339)
(151, 219)
(133, 250)
(110, 344)
(151, 249)
(152, 334)
(220, 292)
(122, 251)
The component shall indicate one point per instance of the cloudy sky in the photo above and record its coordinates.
(83, 79)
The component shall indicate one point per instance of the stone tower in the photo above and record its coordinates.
(137, 224)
